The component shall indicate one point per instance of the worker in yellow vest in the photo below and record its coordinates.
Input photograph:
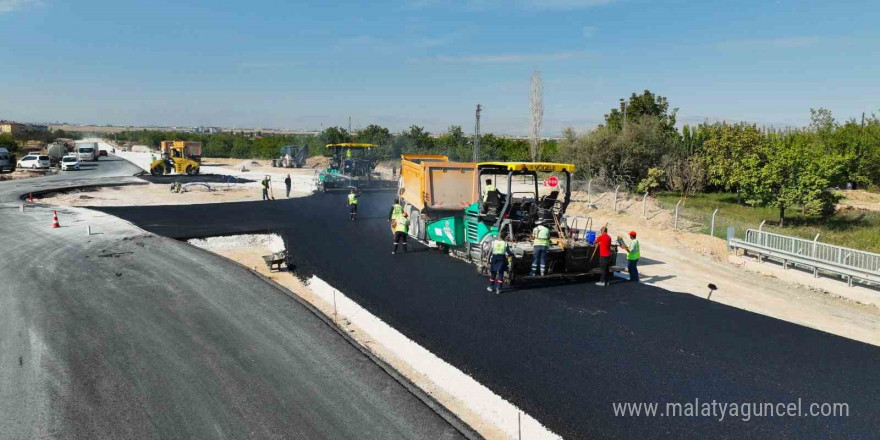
(401, 230)
(541, 237)
(353, 204)
(633, 253)
(498, 263)
(487, 189)
(395, 212)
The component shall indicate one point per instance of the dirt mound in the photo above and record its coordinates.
(318, 162)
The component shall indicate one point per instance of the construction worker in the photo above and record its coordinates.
(541, 241)
(603, 246)
(353, 204)
(396, 210)
(401, 229)
(632, 256)
(487, 189)
(498, 263)
(265, 185)
(287, 185)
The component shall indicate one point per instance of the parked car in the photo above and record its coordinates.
(69, 163)
(102, 152)
(34, 161)
(7, 160)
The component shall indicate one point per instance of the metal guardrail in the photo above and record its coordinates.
(851, 263)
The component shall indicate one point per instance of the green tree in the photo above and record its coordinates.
(638, 106)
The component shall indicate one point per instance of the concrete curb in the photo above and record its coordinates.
(414, 389)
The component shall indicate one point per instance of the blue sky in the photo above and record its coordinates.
(429, 62)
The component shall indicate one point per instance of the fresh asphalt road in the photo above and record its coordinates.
(565, 353)
(126, 335)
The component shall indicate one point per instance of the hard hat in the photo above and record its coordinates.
(632, 233)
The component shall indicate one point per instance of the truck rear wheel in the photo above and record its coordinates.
(157, 170)
(189, 170)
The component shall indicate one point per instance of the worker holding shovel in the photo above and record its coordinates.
(265, 186)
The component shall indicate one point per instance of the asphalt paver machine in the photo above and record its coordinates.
(351, 166)
(526, 194)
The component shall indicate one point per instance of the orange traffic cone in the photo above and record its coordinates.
(55, 220)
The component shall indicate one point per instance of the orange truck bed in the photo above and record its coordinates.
(432, 182)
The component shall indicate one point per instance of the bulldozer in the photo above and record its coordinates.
(179, 157)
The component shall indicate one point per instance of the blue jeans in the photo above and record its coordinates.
(539, 259)
(632, 267)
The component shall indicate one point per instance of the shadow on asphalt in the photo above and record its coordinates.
(564, 352)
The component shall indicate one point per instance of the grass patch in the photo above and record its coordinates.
(853, 228)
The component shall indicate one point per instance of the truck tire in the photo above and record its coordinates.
(189, 170)
(196, 171)
(157, 170)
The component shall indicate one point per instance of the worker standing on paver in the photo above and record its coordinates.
(498, 263)
(487, 189)
(265, 185)
(287, 185)
(603, 246)
(633, 252)
(541, 242)
(353, 204)
(401, 229)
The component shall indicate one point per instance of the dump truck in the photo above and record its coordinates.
(528, 193)
(181, 157)
(433, 188)
(291, 156)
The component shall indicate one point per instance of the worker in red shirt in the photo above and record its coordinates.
(603, 246)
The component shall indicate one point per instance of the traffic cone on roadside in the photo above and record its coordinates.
(55, 220)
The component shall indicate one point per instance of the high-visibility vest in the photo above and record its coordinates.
(402, 224)
(352, 199)
(489, 188)
(542, 236)
(348, 153)
(634, 251)
(395, 213)
(499, 247)
(265, 185)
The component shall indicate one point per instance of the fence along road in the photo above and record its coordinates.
(851, 263)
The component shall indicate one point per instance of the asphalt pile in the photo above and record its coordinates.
(564, 352)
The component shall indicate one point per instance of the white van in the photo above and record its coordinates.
(87, 151)
(7, 160)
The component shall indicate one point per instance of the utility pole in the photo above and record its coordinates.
(477, 134)
(623, 103)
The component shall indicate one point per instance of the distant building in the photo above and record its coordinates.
(207, 130)
(13, 128)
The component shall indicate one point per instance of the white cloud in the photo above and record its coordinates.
(777, 43)
(561, 4)
(495, 4)
(504, 58)
(588, 31)
(13, 5)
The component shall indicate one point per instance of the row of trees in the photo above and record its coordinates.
(454, 143)
(788, 169)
